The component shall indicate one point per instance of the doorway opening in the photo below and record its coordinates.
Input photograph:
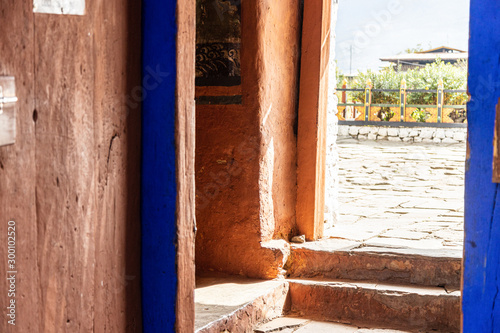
(400, 150)
(246, 87)
(396, 172)
(246, 159)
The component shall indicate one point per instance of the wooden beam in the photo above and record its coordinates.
(185, 143)
(313, 94)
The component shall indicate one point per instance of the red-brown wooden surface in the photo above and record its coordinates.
(71, 181)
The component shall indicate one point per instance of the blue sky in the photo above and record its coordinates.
(381, 28)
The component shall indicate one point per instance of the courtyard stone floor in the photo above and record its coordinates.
(401, 195)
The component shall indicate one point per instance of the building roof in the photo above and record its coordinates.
(426, 57)
(443, 49)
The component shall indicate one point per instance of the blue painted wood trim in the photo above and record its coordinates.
(481, 303)
(158, 188)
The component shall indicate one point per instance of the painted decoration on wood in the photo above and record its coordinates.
(218, 40)
(63, 7)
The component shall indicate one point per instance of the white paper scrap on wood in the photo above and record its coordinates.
(63, 7)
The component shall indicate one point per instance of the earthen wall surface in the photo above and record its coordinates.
(245, 153)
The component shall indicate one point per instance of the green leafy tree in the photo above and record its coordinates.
(454, 77)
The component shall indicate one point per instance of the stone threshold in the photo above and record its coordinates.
(410, 308)
(237, 304)
(343, 259)
(343, 281)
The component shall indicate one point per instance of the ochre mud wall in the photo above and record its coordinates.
(278, 61)
(71, 181)
(245, 152)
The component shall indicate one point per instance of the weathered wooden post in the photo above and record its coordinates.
(402, 99)
(440, 97)
(368, 98)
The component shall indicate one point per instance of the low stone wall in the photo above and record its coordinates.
(404, 134)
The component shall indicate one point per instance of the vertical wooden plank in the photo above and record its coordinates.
(71, 182)
(481, 276)
(117, 122)
(311, 143)
(158, 174)
(185, 144)
(17, 169)
(66, 180)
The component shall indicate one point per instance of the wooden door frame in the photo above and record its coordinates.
(168, 115)
(482, 212)
(312, 122)
(167, 189)
(481, 263)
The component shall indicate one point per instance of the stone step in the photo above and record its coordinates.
(305, 325)
(235, 304)
(338, 259)
(402, 307)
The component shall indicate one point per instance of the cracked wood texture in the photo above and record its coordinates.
(480, 297)
(71, 181)
(18, 169)
(185, 159)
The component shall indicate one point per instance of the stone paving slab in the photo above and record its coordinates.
(401, 195)
(301, 325)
